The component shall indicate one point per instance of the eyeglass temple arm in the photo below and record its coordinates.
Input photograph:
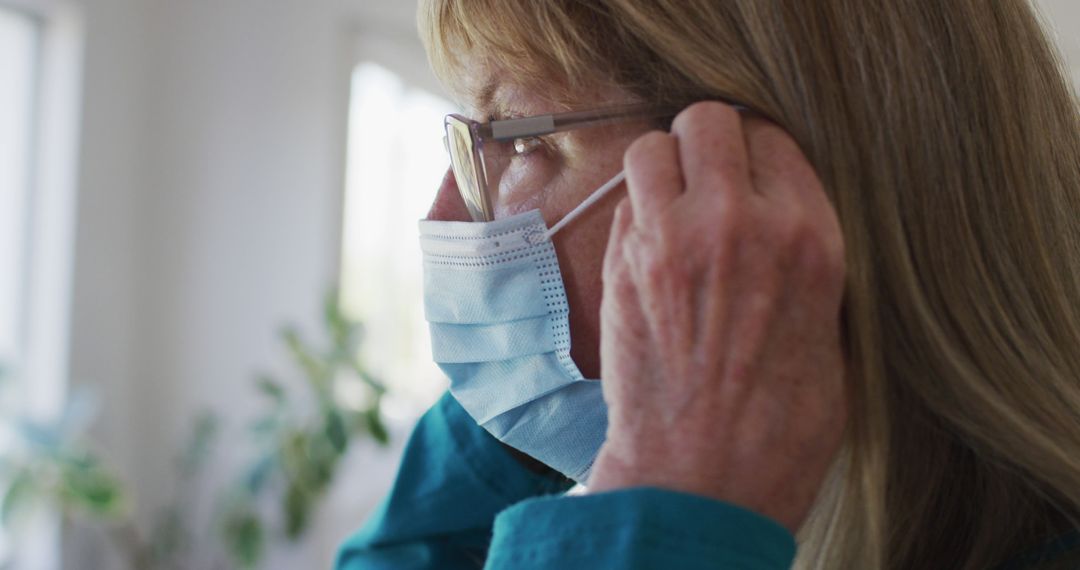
(510, 129)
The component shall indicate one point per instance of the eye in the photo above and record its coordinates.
(525, 146)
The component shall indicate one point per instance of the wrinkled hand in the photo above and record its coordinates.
(721, 355)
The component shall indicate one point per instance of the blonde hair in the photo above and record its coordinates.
(948, 139)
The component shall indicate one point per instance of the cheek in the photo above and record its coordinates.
(528, 183)
(580, 248)
(518, 192)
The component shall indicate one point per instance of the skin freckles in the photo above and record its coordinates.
(555, 178)
(709, 287)
(751, 401)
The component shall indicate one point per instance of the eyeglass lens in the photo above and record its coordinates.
(459, 143)
(480, 168)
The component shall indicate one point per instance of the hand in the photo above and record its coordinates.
(721, 354)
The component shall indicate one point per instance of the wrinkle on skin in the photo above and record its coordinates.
(576, 164)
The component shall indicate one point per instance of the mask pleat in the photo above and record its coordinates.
(487, 343)
(496, 306)
(574, 418)
(490, 389)
(502, 294)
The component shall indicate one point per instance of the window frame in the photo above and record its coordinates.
(25, 257)
(49, 249)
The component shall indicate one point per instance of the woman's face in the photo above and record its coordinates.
(554, 177)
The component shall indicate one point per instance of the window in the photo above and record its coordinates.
(395, 163)
(40, 53)
(19, 43)
(18, 65)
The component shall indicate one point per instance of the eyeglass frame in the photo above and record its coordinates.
(504, 130)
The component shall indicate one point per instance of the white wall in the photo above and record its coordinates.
(237, 210)
(1063, 18)
(210, 191)
(212, 173)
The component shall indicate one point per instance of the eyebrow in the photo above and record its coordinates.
(486, 97)
(491, 109)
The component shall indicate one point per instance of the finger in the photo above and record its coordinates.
(653, 176)
(619, 305)
(784, 176)
(712, 151)
(777, 165)
(620, 227)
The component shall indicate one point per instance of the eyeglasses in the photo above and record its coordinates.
(481, 152)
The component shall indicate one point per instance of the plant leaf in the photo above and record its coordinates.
(204, 432)
(335, 321)
(260, 473)
(39, 435)
(293, 453)
(297, 510)
(376, 427)
(86, 485)
(265, 426)
(244, 537)
(19, 494)
(314, 369)
(271, 388)
(370, 380)
(334, 429)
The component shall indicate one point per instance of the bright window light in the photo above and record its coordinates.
(396, 161)
(18, 58)
(19, 40)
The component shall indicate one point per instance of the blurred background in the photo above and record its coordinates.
(198, 201)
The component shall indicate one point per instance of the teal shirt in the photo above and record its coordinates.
(461, 501)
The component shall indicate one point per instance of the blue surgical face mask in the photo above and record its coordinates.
(495, 301)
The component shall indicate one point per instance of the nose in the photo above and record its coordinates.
(449, 206)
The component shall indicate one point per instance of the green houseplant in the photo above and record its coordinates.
(299, 440)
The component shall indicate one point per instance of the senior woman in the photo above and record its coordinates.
(824, 258)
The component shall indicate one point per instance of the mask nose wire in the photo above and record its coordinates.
(595, 197)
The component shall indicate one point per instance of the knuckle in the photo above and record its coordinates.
(774, 149)
(654, 264)
(786, 232)
(769, 137)
(813, 250)
(798, 240)
(653, 278)
(729, 175)
(835, 263)
(616, 275)
(624, 212)
(699, 113)
(729, 220)
(653, 267)
(726, 240)
(640, 151)
(793, 230)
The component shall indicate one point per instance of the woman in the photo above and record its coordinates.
(837, 301)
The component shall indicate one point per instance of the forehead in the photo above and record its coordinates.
(484, 89)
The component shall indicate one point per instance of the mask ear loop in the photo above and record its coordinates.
(596, 196)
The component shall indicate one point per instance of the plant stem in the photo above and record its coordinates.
(127, 538)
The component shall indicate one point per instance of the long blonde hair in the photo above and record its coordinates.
(948, 139)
